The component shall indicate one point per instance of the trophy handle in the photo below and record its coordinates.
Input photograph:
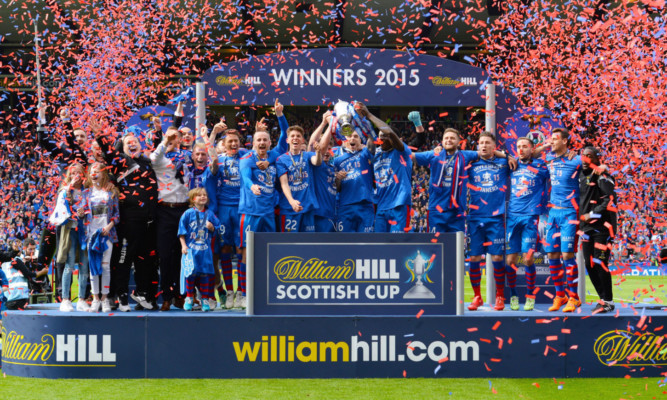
(411, 270)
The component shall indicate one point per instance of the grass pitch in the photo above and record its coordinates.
(353, 389)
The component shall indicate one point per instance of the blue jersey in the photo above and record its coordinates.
(357, 186)
(250, 203)
(3, 282)
(228, 179)
(393, 178)
(299, 172)
(198, 176)
(202, 177)
(325, 189)
(564, 176)
(447, 180)
(529, 183)
(198, 238)
(488, 185)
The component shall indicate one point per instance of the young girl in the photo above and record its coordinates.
(195, 231)
(101, 206)
(71, 238)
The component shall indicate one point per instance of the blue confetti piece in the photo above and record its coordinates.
(534, 341)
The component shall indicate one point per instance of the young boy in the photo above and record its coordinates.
(195, 231)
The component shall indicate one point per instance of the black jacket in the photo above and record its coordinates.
(134, 178)
(597, 197)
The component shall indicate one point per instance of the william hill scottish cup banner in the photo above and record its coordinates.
(354, 274)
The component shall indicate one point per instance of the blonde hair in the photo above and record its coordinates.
(105, 179)
(69, 175)
(196, 192)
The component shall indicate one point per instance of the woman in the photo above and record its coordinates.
(71, 238)
(101, 208)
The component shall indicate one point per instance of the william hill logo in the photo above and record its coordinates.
(622, 348)
(458, 82)
(68, 350)
(223, 80)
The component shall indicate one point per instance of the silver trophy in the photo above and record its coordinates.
(418, 267)
(341, 109)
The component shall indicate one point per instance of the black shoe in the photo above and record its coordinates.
(599, 308)
(609, 306)
(603, 307)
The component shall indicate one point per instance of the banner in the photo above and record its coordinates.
(376, 77)
(353, 274)
(638, 269)
(190, 345)
(93, 346)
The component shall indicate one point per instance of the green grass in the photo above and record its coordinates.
(353, 389)
(627, 289)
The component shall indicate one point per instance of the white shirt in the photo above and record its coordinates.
(170, 188)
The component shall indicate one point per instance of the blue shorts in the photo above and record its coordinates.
(325, 224)
(562, 228)
(395, 220)
(229, 231)
(357, 217)
(301, 222)
(521, 233)
(446, 221)
(486, 235)
(255, 223)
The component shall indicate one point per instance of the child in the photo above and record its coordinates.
(71, 238)
(101, 205)
(194, 230)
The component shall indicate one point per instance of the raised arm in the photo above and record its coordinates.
(178, 115)
(396, 142)
(415, 118)
(209, 140)
(157, 157)
(317, 134)
(326, 139)
(47, 140)
(316, 159)
(281, 146)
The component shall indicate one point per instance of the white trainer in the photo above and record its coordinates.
(239, 300)
(106, 305)
(123, 307)
(142, 301)
(229, 302)
(95, 306)
(211, 303)
(81, 305)
(66, 306)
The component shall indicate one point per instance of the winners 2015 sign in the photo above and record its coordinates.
(377, 77)
(353, 274)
